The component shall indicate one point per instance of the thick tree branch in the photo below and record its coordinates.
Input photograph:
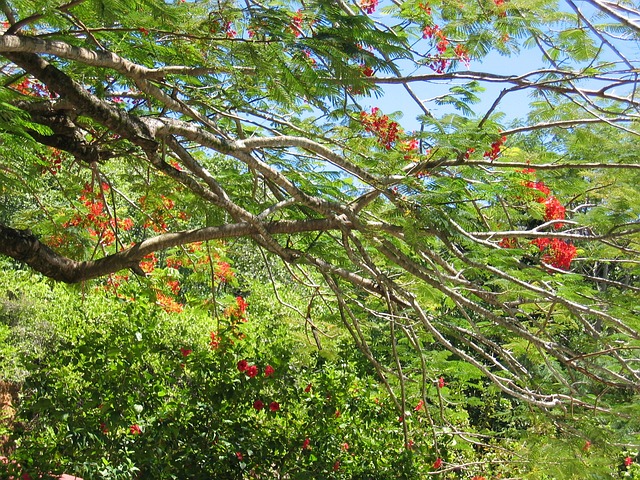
(25, 247)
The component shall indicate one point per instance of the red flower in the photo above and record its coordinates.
(239, 456)
(437, 464)
(441, 382)
(336, 466)
(507, 243)
(305, 444)
(558, 253)
(242, 365)
(344, 446)
(419, 406)
(274, 406)
(103, 428)
(540, 186)
(628, 461)
(185, 352)
(242, 305)
(307, 389)
(258, 405)
(369, 6)
(268, 371)
(174, 285)
(337, 414)
(135, 429)
(251, 371)
(554, 210)
(215, 341)
(587, 446)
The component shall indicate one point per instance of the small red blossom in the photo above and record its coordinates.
(258, 405)
(103, 428)
(441, 382)
(215, 341)
(251, 371)
(242, 365)
(268, 371)
(463, 54)
(367, 71)
(336, 466)
(539, 186)
(419, 406)
(409, 445)
(496, 148)
(628, 461)
(135, 430)
(425, 7)
(337, 414)
(174, 286)
(508, 243)
(185, 352)
(437, 464)
(242, 304)
(307, 389)
(369, 6)
(587, 446)
(381, 126)
(296, 23)
(274, 406)
(305, 444)
(554, 210)
(344, 446)
(143, 30)
(239, 456)
(168, 304)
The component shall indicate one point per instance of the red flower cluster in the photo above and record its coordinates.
(495, 148)
(168, 304)
(366, 71)
(425, 7)
(539, 185)
(258, 405)
(96, 220)
(369, 6)
(386, 130)
(419, 406)
(185, 352)
(557, 253)
(296, 23)
(628, 461)
(441, 382)
(215, 341)
(268, 371)
(305, 444)
(274, 406)
(553, 209)
(135, 430)
(463, 54)
(437, 464)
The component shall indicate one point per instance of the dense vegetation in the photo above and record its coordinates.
(223, 256)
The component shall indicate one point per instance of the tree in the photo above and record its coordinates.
(130, 128)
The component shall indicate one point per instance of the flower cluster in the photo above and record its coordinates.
(381, 126)
(556, 252)
(369, 6)
(53, 161)
(96, 220)
(296, 23)
(553, 209)
(495, 148)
